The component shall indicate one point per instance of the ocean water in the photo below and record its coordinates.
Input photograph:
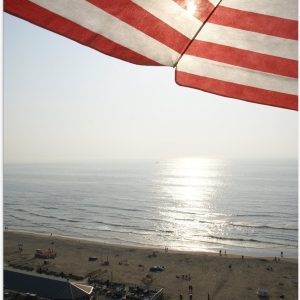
(246, 207)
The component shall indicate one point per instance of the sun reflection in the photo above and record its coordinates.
(192, 179)
(191, 7)
(190, 186)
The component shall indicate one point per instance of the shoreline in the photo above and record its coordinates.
(154, 247)
(224, 277)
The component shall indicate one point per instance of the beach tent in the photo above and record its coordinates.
(235, 48)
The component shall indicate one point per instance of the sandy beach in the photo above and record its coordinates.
(223, 277)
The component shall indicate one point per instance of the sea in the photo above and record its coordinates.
(246, 207)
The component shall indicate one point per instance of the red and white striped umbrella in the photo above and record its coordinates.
(244, 49)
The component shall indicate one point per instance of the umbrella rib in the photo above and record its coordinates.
(195, 35)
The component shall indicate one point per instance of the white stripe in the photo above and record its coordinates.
(89, 16)
(229, 73)
(172, 14)
(287, 9)
(248, 40)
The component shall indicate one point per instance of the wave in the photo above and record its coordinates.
(131, 229)
(39, 215)
(153, 219)
(78, 220)
(18, 218)
(262, 227)
(247, 240)
(49, 207)
(145, 218)
(182, 212)
(68, 220)
(32, 224)
(135, 227)
(20, 209)
(264, 215)
(83, 230)
(251, 226)
(122, 208)
(54, 218)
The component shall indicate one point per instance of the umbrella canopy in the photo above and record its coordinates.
(235, 48)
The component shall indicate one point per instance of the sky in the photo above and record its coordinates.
(67, 102)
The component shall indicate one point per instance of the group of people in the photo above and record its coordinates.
(220, 252)
(190, 293)
(277, 259)
(185, 277)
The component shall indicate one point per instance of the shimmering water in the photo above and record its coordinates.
(245, 207)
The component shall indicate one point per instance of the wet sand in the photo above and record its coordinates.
(209, 273)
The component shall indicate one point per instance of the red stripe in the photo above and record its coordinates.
(238, 91)
(139, 18)
(44, 18)
(244, 58)
(202, 7)
(250, 21)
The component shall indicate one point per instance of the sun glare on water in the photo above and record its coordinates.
(190, 179)
(191, 185)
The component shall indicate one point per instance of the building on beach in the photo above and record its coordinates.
(45, 286)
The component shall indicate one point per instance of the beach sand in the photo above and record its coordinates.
(210, 273)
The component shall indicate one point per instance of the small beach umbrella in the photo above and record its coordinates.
(235, 48)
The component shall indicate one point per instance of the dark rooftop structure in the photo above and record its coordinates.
(44, 286)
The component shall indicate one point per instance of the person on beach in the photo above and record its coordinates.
(220, 252)
(20, 245)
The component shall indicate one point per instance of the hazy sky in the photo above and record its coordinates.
(64, 101)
